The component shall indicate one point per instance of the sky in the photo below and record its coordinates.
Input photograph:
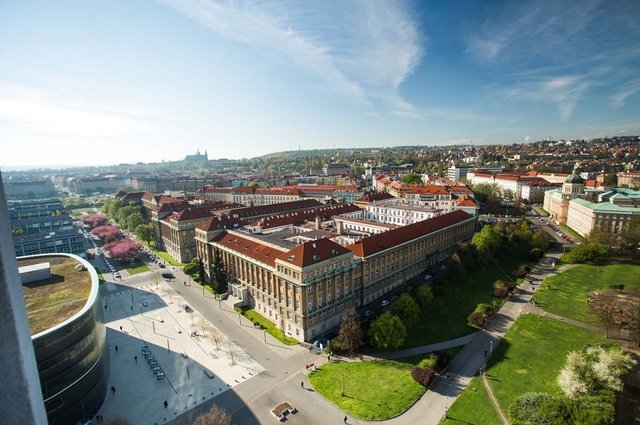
(105, 82)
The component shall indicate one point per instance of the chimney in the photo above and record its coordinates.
(318, 223)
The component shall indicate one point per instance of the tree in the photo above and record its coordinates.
(145, 232)
(216, 336)
(103, 232)
(351, 336)
(94, 220)
(604, 303)
(134, 220)
(424, 296)
(406, 308)
(484, 190)
(219, 273)
(593, 369)
(541, 240)
(411, 179)
(233, 352)
(124, 249)
(213, 416)
(486, 241)
(387, 331)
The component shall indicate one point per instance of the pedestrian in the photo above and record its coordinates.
(166, 404)
(345, 419)
(113, 389)
(120, 328)
(105, 306)
(485, 353)
(446, 412)
(329, 357)
(135, 358)
(302, 384)
(131, 308)
(448, 375)
(116, 348)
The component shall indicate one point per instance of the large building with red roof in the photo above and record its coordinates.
(304, 288)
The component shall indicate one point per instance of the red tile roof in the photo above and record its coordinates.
(248, 212)
(222, 222)
(264, 253)
(191, 213)
(430, 189)
(374, 196)
(381, 241)
(325, 212)
(313, 252)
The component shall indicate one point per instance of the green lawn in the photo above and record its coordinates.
(527, 360)
(473, 406)
(269, 326)
(566, 293)
(140, 268)
(374, 390)
(569, 231)
(414, 360)
(169, 259)
(446, 316)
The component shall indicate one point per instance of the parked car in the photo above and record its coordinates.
(187, 308)
(162, 266)
(367, 313)
(168, 275)
(384, 303)
(427, 277)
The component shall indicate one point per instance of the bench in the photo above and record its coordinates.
(160, 319)
(282, 410)
(178, 330)
(208, 373)
(184, 354)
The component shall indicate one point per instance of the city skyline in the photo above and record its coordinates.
(90, 83)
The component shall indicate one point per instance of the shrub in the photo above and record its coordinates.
(519, 273)
(500, 292)
(480, 315)
(429, 362)
(619, 287)
(524, 410)
(422, 376)
(476, 319)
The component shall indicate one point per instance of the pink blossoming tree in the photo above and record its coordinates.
(124, 249)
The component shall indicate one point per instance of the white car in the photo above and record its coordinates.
(384, 303)
(427, 277)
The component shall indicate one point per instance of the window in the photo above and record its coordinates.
(310, 305)
(320, 301)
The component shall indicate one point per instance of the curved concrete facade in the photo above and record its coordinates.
(73, 360)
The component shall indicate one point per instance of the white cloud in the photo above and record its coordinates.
(565, 91)
(365, 49)
(628, 89)
(36, 111)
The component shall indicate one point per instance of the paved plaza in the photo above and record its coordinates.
(181, 344)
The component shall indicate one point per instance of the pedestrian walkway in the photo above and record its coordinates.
(494, 400)
(429, 348)
(540, 312)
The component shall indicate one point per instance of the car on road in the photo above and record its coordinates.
(427, 277)
(443, 267)
(162, 266)
(187, 309)
(384, 303)
(168, 275)
(117, 275)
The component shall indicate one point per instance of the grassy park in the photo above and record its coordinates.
(139, 268)
(166, 257)
(446, 316)
(566, 294)
(376, 390)
(527, 360)
(473, 406)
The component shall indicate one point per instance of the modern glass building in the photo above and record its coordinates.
(69, 341)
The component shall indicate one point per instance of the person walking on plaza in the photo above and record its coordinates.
(116, 348)
(166, 404)
(345, 419)
(301, 384)
(113, 390)
(135, 358)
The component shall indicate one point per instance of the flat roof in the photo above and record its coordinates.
(51, 301)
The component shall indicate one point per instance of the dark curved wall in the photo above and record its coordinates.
(73, 365)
